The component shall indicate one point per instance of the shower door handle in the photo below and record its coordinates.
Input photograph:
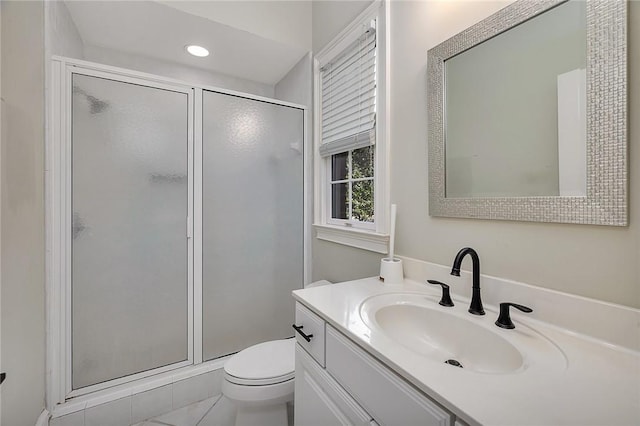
(299, 328)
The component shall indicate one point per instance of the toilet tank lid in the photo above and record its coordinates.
(263, 361)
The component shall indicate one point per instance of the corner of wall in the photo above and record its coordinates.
(297, 85)
(61, 34)
(22, 212)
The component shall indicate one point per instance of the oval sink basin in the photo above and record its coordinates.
(447, 337)
(453, 336)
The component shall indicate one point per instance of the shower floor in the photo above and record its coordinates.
(216, 411)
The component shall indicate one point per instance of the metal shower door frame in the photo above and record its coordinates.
(58, 215)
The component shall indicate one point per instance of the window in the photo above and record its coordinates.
(351, 142)
(352, 186)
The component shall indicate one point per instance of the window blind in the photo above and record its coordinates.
(349, 97)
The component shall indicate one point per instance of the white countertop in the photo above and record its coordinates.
(598, 385)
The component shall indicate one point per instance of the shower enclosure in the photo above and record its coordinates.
(252, 221)
(130, 198)
(176, 217)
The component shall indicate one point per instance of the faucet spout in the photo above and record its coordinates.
(476, 302)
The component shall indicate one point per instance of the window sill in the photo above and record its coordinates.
(362, 239)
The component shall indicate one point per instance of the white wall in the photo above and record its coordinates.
(62, 36)
(1, 133)
(174, 70)
(593, 261)
(297, 87)
(22, 227)
(331, 16)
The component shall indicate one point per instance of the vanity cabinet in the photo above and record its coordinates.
(389, 398)
(347, 386)
(311, 325)
(320, 400)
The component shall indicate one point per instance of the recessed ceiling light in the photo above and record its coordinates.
(197, 50)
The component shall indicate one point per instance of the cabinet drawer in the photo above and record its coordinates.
(319, 399)
(387, 397)
(311, 325)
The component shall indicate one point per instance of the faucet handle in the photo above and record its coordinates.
(504, 319)
(446, 296)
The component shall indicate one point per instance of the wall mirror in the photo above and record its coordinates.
(527, 114)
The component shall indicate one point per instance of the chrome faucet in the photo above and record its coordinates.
(476, 303)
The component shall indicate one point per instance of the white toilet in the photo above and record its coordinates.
(259, 380)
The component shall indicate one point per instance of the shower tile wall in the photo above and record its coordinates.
(148, 404)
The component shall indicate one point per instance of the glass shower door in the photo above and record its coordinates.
(130, 251)
(252, 221)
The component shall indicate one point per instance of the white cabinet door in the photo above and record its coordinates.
(319, 400)
(389, 398)
(313, 327)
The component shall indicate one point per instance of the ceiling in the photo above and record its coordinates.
(288, 22)
(158, 31)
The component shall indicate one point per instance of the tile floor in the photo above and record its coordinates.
(216, 411)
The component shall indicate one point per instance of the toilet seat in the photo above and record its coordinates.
(263, 364)
(258, 382)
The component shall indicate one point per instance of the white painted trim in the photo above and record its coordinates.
(346, 37)
(189, 230)
(43, 418)
(329, 229)
(307, 177)
(54, 364)
(383, 156)
(66, 223)
(350, 224)
(319, 172)
(353, 237)
(197, 231)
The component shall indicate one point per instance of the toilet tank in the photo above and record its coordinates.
(317, 283)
